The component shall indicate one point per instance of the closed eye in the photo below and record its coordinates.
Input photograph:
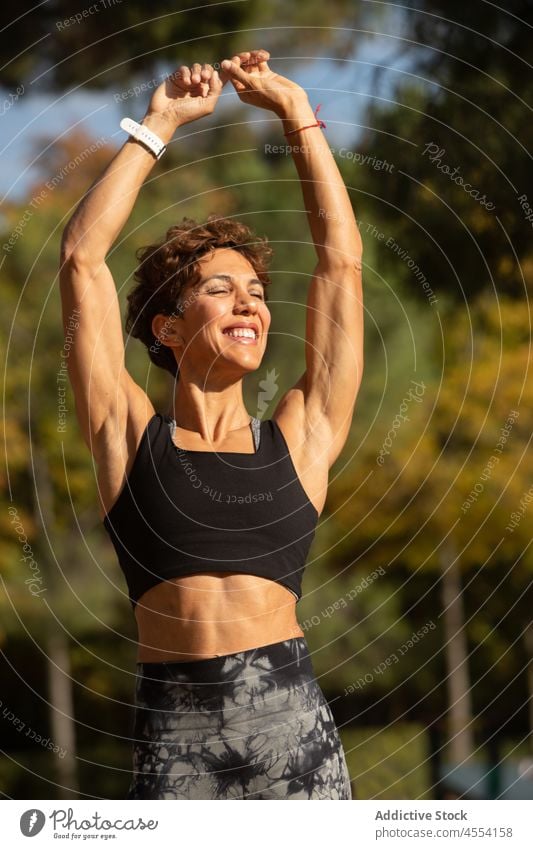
(259, 295)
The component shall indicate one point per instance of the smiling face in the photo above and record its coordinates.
(225, 322)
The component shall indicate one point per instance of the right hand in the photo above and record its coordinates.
(259, 85)
(186, 95)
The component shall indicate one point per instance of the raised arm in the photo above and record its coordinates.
(105, 394)
(320, 406)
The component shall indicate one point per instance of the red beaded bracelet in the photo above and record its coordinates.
(319, 123)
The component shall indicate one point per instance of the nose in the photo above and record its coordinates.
(245, 303)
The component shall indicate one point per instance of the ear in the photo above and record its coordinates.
(165, 330)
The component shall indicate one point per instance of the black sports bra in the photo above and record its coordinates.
(182, 512)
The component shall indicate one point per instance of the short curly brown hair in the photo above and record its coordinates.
(167, 267)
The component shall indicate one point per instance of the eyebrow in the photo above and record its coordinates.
(229, 279)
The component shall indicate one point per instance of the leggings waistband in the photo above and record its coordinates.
(288, 658)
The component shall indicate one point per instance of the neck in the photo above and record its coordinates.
(212, 412)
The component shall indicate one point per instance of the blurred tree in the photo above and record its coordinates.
(50, 596)
(454, 128)
(455, 113)
(62, 43)
(441, 497)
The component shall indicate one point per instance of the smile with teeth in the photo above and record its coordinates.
(242, 334)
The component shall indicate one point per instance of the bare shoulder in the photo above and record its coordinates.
(118, 443)
(307, 442)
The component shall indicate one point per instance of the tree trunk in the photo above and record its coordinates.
(63, 730)
(62, 724)
(461, 742)
(528, 642)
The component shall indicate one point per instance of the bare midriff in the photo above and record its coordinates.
(196, 617)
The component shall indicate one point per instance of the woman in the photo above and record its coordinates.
(212, 512)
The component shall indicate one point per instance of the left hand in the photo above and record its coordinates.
(186, 95)
(257, 84)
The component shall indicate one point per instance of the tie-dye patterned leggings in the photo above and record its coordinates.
(250, 725)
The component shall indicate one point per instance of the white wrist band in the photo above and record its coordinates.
(145, 136)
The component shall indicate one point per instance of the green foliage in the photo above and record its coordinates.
(468, 100)
(388, 763)
(115, 43)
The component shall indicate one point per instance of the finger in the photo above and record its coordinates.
(215, 83)
(235, 72)
(223, 73)
(251, 60)
(256, 58)
(238, 59)
(196, 73)
(183, 75)
(238, 86)
(262, 60)
(207, 70)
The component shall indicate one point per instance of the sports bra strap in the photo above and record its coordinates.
(256, 430)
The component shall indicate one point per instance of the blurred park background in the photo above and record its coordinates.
(417, 597)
